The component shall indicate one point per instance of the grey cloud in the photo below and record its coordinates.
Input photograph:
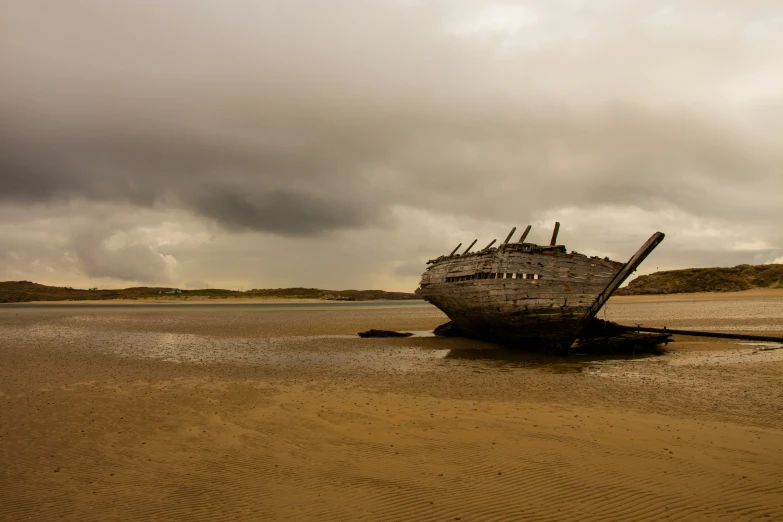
(82, 245)
(127, 263)
(150, 106)
(410, 269)
(308, 118)
(321, 179)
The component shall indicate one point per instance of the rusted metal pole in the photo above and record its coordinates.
(508, 238)
(455, 250)
(554, 234)
(525, 233)
(471, 246)
(696, 333)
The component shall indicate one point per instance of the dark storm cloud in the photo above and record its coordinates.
(300, 118)
(277, 211)
(240, 184)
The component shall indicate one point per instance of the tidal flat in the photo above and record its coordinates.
(266, 412)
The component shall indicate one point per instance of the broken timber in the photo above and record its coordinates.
(696, 333)
(621, 276)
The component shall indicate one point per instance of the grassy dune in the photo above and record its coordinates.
(690, 280)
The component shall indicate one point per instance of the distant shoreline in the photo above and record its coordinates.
(203, 301)
(29, 292)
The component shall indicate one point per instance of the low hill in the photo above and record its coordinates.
(25, 291)
(689, 280)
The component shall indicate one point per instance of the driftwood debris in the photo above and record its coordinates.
(607, 337)
(624, 343)
(384, 333)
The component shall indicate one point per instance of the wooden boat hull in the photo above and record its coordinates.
(522, 294)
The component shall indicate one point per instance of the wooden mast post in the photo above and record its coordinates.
(508, 238)
(489, 245)
(525, 233)
(455, 250)
(554, 234)
(471, 246)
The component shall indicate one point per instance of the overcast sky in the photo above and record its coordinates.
(341, 144)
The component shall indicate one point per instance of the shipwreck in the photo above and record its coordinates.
(538, 297)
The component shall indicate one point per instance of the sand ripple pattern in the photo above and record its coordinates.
(250, 453)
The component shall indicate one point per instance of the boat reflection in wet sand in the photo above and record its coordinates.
(523, 294)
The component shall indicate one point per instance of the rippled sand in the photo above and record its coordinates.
(224, 413)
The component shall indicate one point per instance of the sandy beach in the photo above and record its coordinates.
(225, 413)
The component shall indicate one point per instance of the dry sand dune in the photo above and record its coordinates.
(205, 414)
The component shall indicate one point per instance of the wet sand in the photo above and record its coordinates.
(223, 413)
